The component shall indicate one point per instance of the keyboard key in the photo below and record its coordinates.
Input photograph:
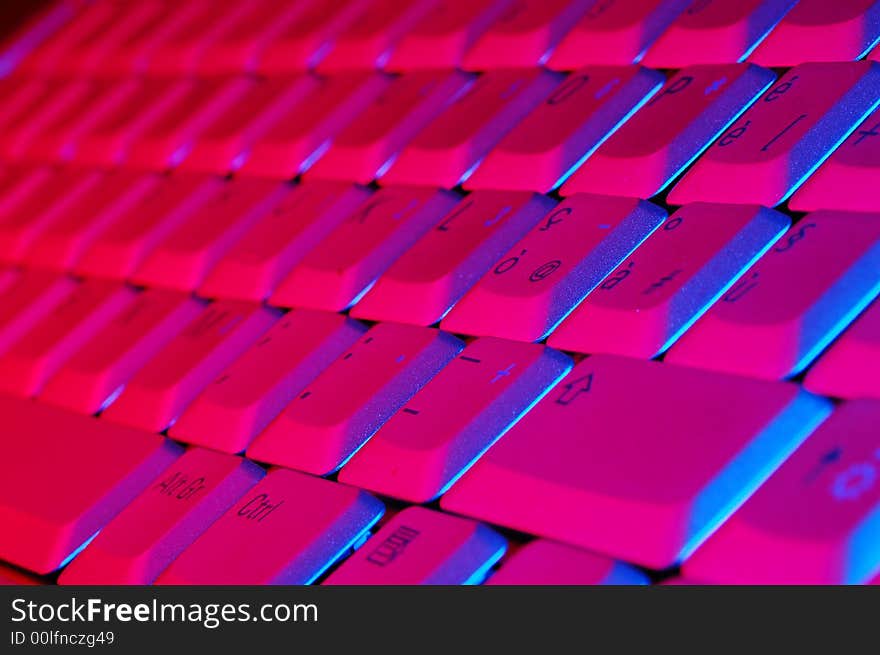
(119, 250)
(19, 184)
(525, 34)
(716, 32)
(442, 37)
(64, 476)
(257, 386)
(558, 472)
(304, 133)
(137, 545)
(371, 142)
(670, 131)
(297, 222)
(11, 576)
(342, 408)
(543, 277)
(786, 309)
(772, 148)
(447, 150)
(419, 546)
(445, 427)
(272, 537)
(642, 308)
(344, 265)
(97, 372)
(25, 299)
(848, 368)
(26, 367)
(846, 179)
(429, 278)
(161, 390)
(183, 258)
(816, 30)
(543, 562)
(815, 520)
(615, 32)
(542, 150)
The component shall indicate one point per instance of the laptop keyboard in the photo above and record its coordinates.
(441, 292)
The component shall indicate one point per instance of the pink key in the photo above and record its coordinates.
(168, 140)
(814, 521)
(296, 223)
(369, 144)
(557, 472)
(272, 537)
(83, 217)
(675, 126)
(20, 94)
(329, 421)
(26, 367)
(549, 143)
(524, 34)
(335, 273)
(249, 394)
(19, 184)
(786, 309)
(430, 277)
(307, 38)
(543, 562)
(303, 134)
(11, 576)
(26, 298)
(447, 425)
(91, 378)
(446, 151)
(64, 476)
(710, 32)
(161, 390)
(658, 292)
(183, 502)
(772, 148)
(847, 178)
(368, 41)
(223, 145)
(816, 30)
(615, 32)
(119, 250)
(419, 546)
(442, 37)
(183, 258)
(848, 368)
(549, 271)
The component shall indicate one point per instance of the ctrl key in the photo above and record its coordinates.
(288, 529)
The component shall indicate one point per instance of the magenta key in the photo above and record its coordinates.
(615, 32)
(161, 390)
(257, 386)
(658, 292)
(771, 149)
(430, 277)
(616, 457)
(849, 368)
(344, 265)
(300, 218)
(554, 139)
(288, 529)
(716, 32)
(815, 521)
(448, 149)
(26, 298)
(183, 502)
(670, 131)
(444, 428)
(543, 277)
(419, 546)
(341, 409)
(98, 371)
(786, 309)
(543, 562)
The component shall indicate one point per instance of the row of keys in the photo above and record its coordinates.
(161, 38)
